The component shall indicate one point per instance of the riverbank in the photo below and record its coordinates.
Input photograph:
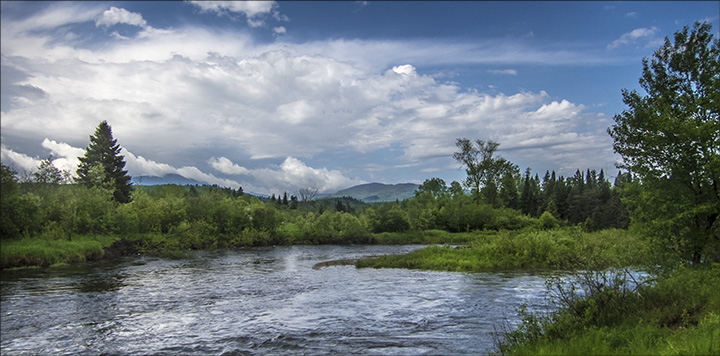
(565, 248)
(47, 250)
(677, 314)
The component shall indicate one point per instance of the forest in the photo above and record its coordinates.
(168, 219)
(660, 213)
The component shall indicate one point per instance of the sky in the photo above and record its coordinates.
(278, 96)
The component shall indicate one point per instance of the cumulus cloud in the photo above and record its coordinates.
(293, 175)
(65, 157)
(141, 166)
(115, 15)
(226, 166)
(191, 97)
(19, 162)
(633, 36)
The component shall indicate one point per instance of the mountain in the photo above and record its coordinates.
(166, 179)
(378, 192)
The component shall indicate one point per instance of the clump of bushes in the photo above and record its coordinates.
(614, 313)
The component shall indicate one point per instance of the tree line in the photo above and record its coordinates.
(101, 201)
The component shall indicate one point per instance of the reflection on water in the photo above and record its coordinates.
(262, 301)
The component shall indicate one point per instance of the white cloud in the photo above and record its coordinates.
(188, 94)
(253, 10)
(293, 175)
(226, 166)
(406, 69)
(504, 71)
(141, 166)
(631, 14)
(116, 15)
(633, 36)
(19, 162)
(65, 157)
(280, 30)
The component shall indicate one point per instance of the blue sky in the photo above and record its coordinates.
(278, 96)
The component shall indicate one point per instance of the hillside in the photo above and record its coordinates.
(378, 192)
(166, 179)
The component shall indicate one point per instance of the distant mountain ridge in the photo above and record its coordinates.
(378, 192)
(369, 193)
(166, 179)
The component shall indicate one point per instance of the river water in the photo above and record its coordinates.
(259, 301)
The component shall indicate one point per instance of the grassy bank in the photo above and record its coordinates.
(47, 250)
(677, 314)
(41, 252)
(566, 248)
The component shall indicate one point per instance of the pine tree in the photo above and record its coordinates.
(104, 151)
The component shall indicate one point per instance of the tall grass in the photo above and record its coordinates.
(47, 251)
(677, 314)
(567, 248)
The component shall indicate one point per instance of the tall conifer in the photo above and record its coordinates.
(104, 151)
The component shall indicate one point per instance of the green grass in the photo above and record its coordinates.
(28, 252)
(678, 314)
(567, 248)
(423, 237)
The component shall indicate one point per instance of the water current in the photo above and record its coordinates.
(259, 301)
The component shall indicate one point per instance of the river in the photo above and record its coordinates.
(259, 301)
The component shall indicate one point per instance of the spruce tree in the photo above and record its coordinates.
(104, 151)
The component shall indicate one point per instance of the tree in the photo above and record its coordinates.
(434, 186)
(483, 171)
(19, 213)
(307, 194)
(670, 139)
(509, 191)
(104, 151)
(48, 173)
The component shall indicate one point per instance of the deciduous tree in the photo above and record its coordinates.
(670, 138)
(483, 171)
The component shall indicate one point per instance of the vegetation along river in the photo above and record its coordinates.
(260, 301)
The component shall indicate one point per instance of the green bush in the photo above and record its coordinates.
(675, 313)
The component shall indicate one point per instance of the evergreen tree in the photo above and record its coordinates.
(104, 151)
(509, 192)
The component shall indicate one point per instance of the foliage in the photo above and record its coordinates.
(47, 251)
(615, 313)
(483, 171)
(567, 248)
(47, 173)
(670, 138)
(103, 151)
